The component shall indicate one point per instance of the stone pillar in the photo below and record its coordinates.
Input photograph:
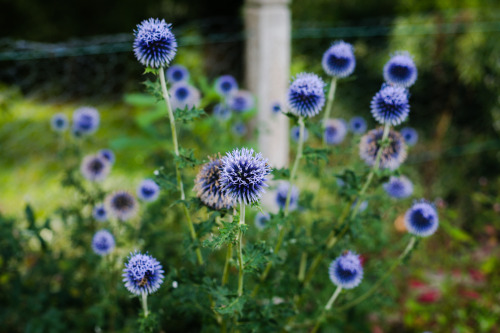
(267, 72)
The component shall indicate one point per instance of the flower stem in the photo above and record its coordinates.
(164, 90)
(329, 102)
(282, 233)
(402, 256)
(145, 304)
(327, 308)
(240, 246)
(229, 254)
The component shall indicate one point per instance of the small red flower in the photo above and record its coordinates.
(416, 284)
(430, 296)
(477, 275)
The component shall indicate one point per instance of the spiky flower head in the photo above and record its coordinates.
(184, 95)
(225, 85)
(261, 220)
(99, 213)
(208, 186)
(346, 271)
(154, 44)
(222, 112)
(357, 125)
(142, 274)
(390, 105)
(339, 60)
(422, 219)
(241, 101)
(59, 122)
(239, 128)
(391, 157)
(281, 194)
(410, 135)
(399, 187)
(335, 131)
(295, 134)
(95, 168)
(400, 70)
(243, 175)
(108, 155)
(122, 205)
(85, 120)
(103, 242)
(276, 107)
(148, 190)
(177, 73)
(306, 96)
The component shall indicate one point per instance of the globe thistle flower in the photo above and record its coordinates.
(142, 274)
(391, 157)
(295, 134)
(400, 70)
(99, 213)
(422, 219)
(261, 220)
(148, 190)
(184, 95)
(241, 101)
(276, 107)
(306, 96)
(85, 120)
(346, 271)
(410, 135)
(239, 129)
(154, 44)
(357, 125)
(59, 122)
(225, 85)
(103, 242)
(95, 168)
(243, 175)
(338, 60)
(399, 187)
(108, 155)
(281, 194)
(177, 73)
(335, 131)
(390, 105)
(208, 186)
(222, 112)
(122, 205)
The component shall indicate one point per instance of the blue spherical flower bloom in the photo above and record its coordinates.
(209, 188)
(410, 135)
(59, 122)
(241, 101)
(335, 131)
(103, 242)
(391, 157)
(85, 120)
(225, 85)
(122, 205)
(239, 129)
(390, 105)
(148, 190)
(295, 133)
(184, 96)
(222, 112)
(276, 107)
(154, 45)
(357, 125)
(142, 274)
(399, 187)
(108, 155)
(177, 73)
(339, 60)
(261, 220)
(281, 194)
(421, 219)
(99, 213)
(346, 271)
(400, 70)
(95, 168)
(306, 96)
(243, 175)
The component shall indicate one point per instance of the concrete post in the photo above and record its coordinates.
(267, 25)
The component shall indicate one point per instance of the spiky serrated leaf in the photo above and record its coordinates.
(186, 159)
(187, 115)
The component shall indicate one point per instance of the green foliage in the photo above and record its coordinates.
(186, 159)
(187, 115)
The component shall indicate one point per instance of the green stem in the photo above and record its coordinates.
(145, 304)
(327, 308)
(240, 246)
(229, 254)
(177, 171)
(302, 267)
(329, 102)
(402, 256)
